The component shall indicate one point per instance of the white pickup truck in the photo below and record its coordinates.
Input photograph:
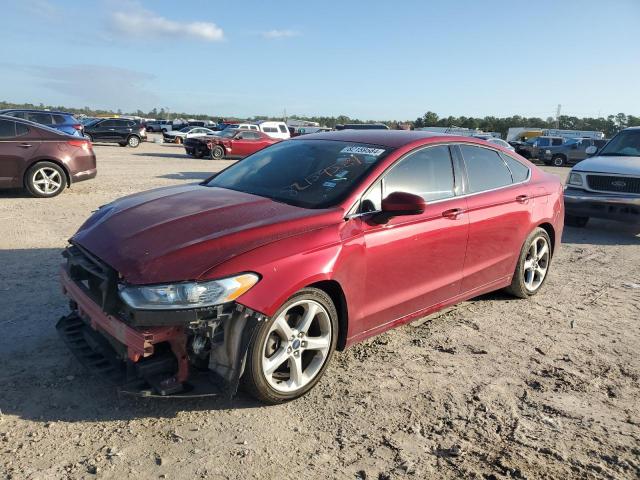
(606, 185)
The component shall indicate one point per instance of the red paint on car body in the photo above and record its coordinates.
(389, 273)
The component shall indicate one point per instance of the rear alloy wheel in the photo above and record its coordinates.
(558, 161)
(291, 351)
(574, 221)
(46, 179)
(217, 153)
(533, 265)
(133, 141)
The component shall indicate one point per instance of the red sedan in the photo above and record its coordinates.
(238, 143)
(310, 245)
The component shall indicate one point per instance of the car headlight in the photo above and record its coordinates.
(575, 179)
(178, 296)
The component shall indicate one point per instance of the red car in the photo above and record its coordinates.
(259, 273)
(230, 143)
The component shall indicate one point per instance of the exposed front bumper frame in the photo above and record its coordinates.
(140, 344)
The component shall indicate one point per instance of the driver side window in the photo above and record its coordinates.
(427, 173)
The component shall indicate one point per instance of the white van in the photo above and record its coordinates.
(244, 126)
(274, 129)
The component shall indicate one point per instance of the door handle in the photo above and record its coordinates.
(25, 145)
(522, 198)
(452, 213)
(111, 129)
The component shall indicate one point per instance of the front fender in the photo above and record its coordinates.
(332, 253)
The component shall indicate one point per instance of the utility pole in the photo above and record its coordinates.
(284, 115)
(558, 116)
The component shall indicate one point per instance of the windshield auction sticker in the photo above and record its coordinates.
(355, 149)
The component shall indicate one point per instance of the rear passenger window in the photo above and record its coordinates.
(518, 171)
(7, 129)
(270, 130)
(485, 168)
(427, 172)
(21, 130)
(42, 118)
(556, 141)
(18, 114)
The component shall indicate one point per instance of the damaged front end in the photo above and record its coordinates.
(180, 352)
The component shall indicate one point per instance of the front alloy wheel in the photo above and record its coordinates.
(292, 350)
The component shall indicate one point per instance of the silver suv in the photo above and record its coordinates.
(606, 185)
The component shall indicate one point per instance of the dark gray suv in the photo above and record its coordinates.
(570, 152)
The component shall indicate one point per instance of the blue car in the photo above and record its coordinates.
(63, 121)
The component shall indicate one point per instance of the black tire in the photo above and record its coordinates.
(88, 137)
(217, 153)
(133, 141)
(34, 176)
(558, 161)
(253, 379)
(575, 221)
(518, 287)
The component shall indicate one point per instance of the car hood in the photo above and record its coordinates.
(180, 233)
(614, 165)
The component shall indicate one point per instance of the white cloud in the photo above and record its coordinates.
(136, 21)
(271, 34)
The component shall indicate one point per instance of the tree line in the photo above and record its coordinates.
(610, 124)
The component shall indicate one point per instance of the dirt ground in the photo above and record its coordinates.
(496, 388)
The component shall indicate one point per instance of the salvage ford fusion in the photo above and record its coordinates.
(255, 276)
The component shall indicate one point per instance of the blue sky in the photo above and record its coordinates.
(366, 59)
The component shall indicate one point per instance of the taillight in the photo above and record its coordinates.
(84, 144)
(78, 126)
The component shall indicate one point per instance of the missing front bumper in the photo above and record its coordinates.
(156, 361)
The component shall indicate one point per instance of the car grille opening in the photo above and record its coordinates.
(96, 278)
(609, 183)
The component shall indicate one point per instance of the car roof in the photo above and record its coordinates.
(35, 125)
(56, 112)
(386, 138)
